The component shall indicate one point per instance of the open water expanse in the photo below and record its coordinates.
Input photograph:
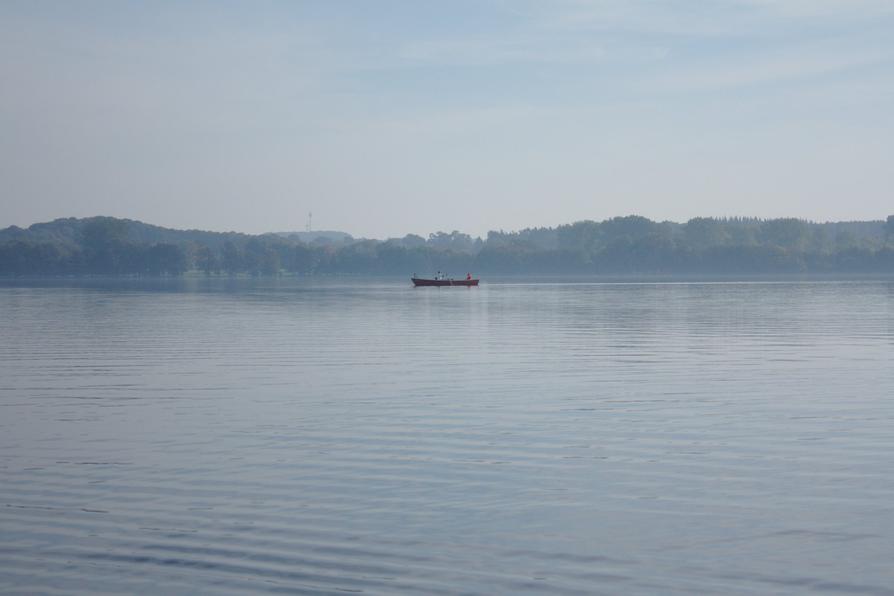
(362, 436)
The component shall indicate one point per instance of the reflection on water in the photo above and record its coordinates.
(364, 436)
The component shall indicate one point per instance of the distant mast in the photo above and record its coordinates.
(310, 217)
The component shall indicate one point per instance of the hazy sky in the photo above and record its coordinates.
(391, 117)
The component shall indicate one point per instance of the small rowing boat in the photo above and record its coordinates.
(421, 282)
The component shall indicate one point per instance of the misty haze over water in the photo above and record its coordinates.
(194, 436)
(675, 376)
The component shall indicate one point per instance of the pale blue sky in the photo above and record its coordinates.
(391, 117)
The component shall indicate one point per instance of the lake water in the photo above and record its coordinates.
(362, 436)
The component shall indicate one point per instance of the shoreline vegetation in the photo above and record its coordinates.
(621, 246)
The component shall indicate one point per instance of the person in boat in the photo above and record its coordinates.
(468, 276)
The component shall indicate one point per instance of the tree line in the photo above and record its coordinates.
(621, 245)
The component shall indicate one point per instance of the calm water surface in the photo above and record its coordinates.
(324, 437)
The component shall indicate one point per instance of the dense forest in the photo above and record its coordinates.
(622, 245)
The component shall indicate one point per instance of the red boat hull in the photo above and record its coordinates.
(443, 282)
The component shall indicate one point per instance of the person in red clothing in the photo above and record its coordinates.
(468, 276)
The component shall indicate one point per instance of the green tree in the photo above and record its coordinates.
(631, 227)
(231, 258)
(270, 261)
(455, 240)
(104, 240)
(207, 261)
(413, 241)
(789, 233)
(165, 259)
(704, 232)
(582, 237)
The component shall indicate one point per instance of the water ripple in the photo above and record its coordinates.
(362, 437)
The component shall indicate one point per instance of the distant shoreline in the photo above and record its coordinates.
(496, 279)
(620, 247)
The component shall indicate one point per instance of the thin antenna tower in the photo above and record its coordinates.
(310, 217)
